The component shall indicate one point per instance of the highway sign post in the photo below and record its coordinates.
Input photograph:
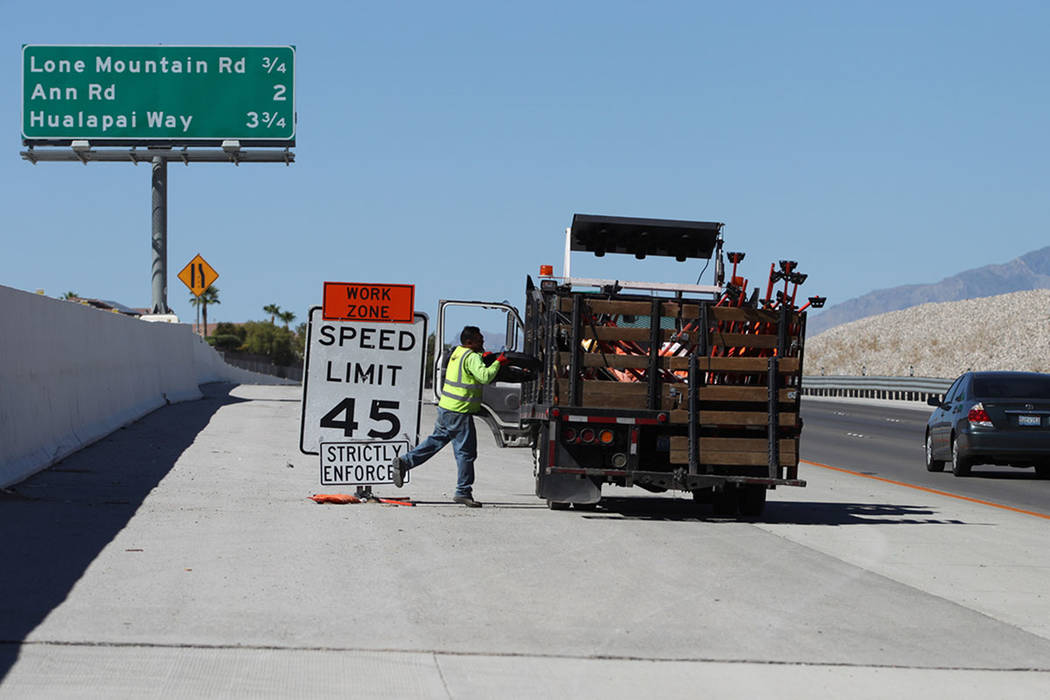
(362, 396)
(198, 275)
(175, 95)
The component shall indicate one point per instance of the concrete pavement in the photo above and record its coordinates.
(181, 557)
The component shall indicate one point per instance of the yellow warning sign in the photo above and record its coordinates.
(198, 275)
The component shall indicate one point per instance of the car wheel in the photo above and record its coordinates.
(960, 463)
(932, 465)
(557, 505)
(1042, 471)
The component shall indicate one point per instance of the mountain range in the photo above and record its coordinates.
(1030, 271)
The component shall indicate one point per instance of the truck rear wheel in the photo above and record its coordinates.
(726, 501)
(752, 500)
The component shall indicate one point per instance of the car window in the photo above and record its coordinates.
(1033, 386)
(952, 390)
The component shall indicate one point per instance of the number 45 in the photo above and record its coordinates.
(378, 414)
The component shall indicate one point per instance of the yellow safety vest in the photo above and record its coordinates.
(461, 391)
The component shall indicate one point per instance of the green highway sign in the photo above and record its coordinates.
(158, 95)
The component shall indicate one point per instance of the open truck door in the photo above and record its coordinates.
(503, 329)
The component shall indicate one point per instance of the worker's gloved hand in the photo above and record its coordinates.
(502, 359)
(486, 354)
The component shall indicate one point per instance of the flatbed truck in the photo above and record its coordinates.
(661, 386)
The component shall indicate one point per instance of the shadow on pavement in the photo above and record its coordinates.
(56, 522)
(786, 512)
(1008, 473)
(819, 513)
(488, 504)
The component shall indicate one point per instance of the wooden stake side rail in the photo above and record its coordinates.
(612, 360)
(764, 341)
(641, 335)
(734, 451)
(671, 309)
(608, 394)
(733, 418)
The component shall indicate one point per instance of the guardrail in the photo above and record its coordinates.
(894, 388)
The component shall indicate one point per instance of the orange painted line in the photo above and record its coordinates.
(993, 504)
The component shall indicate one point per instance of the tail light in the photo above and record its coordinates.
(587, 435)
(605, 437)
(569, 435)
(979, 417)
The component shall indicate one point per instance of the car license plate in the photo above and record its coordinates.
(1028, 420)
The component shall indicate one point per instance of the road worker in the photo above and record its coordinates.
(460, 400)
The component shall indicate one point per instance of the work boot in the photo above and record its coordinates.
(399, 472)
(468, 501)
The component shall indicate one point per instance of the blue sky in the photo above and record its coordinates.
(448, 145)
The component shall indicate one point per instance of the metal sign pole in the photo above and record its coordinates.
(159, 156)
(160, 237)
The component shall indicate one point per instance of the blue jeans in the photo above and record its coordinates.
(457, 428)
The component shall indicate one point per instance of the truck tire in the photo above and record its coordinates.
(752, 500)
(515, 359)
(726, 501)
(518, 369)
(514, 375)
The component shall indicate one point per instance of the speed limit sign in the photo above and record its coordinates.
(362, 391)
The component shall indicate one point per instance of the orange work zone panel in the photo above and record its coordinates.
(354, 301)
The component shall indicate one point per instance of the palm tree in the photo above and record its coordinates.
(273, 310)
(287, 317)
(208, 296)
(70, 295)
(195, 302)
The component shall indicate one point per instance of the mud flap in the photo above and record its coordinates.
(567, 488)
(560, 488)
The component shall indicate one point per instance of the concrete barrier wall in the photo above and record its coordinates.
(71, 374)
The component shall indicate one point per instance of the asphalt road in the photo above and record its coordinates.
(885, 439)
(181, 557)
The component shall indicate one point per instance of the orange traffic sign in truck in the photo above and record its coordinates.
(355, 301)
(198, 275)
